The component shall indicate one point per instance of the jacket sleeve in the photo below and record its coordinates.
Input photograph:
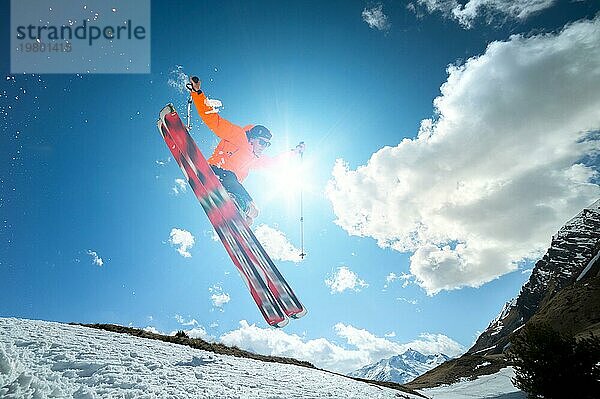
(220, 126)
(268, 162)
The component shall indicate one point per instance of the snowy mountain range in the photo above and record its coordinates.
(401, 368)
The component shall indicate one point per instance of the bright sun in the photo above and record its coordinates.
(288, 181)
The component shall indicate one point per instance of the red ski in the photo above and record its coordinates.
(272, 294)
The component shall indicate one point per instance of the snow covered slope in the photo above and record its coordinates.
(402, 368)
(48, 360)
(493, 386)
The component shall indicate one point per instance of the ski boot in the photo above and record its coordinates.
(251, 213)
(246, 208)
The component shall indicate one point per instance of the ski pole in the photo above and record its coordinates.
(190, 101)
(189, 113)
(302, 253)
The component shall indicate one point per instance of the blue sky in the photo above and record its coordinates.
(445, 145)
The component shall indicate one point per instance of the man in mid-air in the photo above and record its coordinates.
(239, 151)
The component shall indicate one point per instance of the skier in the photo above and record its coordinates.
(239, 151)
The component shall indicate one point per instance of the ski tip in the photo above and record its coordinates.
(299, 314)
(162, 127)
(167, 109)
(281, 324)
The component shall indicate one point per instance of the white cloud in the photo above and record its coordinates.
(320, 352)
(410, 301)
(152, 329)
(212, 234)
(200, 332)
(466, 13)
(526, 271)
(381, 348)
(197, 331)
(180, 186)
(96, 260)
(367, 348)
(185, 322)
(390, 278)
(344, 279)
(162, 162)
(184, 239)
(486, 184)
(436, 343)
(218, 297)
(375, 17)
(276, 244)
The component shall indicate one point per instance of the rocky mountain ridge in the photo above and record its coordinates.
(563, 291)
(573, 251)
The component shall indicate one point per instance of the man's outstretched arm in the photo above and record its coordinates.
(267, 162)
(220, 126)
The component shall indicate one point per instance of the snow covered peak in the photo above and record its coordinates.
(594, 206)
(581, 220)
(401, 368)
(412, 354)
(496, 325)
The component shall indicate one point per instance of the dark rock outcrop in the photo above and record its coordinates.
(574, 249)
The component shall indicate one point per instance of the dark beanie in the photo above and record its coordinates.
(259, 131)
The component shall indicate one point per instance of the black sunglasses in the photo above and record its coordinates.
(264, 142)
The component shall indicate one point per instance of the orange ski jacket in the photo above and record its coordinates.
(233, 152)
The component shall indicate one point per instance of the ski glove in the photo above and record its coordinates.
(194, 85)
(300, 148)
